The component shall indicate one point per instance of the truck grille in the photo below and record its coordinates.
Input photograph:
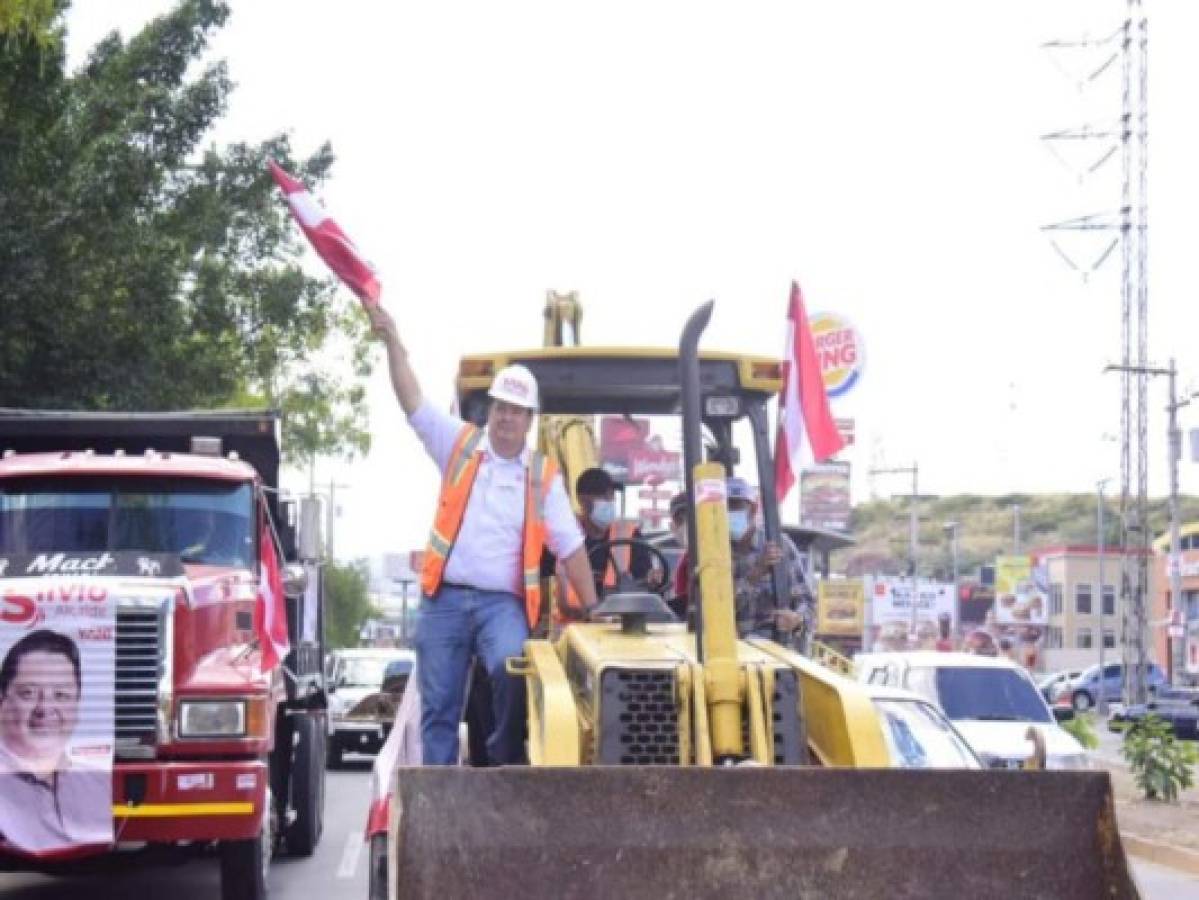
(639, 718)
(139, 660)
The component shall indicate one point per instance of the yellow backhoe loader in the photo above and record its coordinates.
(673, 760)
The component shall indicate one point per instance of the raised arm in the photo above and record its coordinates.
(403, 379)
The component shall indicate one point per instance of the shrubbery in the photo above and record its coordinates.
(1161, 764)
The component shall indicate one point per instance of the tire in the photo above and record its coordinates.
(1082, 701)
(378, 887)
(333, 752)
(244, 863)
(307, 787)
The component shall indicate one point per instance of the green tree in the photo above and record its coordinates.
(141, 270)
(32, 19)
(347, 603)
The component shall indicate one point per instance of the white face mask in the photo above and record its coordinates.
(602, 513)
(738, 523)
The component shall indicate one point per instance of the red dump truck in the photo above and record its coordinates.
(165, 726)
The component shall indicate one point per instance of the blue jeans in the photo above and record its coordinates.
(455, 625)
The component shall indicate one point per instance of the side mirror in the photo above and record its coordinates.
(1063, 713)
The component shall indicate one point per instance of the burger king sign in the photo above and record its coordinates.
(839, 349)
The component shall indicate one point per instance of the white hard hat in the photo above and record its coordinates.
(515, 385)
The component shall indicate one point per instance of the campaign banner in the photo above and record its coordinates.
(57, 682)
(840, 607)
(893, 626)
(1021, 591)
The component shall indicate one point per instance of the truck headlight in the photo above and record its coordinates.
(212, 718)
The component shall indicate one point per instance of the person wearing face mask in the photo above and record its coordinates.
(758, 612)
(681, 588)
(596, 491)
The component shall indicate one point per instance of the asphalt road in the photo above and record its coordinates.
(337, 870)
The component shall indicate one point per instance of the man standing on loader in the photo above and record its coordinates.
(501, 504)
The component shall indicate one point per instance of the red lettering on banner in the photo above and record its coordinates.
(16, 609)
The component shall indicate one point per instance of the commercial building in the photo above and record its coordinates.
(1082, 612)
(1164, 612)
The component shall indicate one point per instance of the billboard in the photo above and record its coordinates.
(891, 616)
(840, 607)
(57, 681)
(1021, 591)
(634, 456)
(824, 496)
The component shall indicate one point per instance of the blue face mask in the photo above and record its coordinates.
(602, 513)
(738, 523)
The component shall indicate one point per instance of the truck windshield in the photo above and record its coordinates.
(989, 694)
(205, 522)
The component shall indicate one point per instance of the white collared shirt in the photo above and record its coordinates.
(487, 551)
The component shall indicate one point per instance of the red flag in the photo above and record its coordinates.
(270, 610)
(806, 429)
(337, 250)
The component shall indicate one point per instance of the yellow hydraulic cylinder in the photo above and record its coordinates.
(714, 566)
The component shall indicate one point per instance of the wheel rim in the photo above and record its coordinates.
(1082, 701)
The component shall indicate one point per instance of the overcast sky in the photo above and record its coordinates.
(653, 155)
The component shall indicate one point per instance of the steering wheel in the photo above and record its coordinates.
(626, 580)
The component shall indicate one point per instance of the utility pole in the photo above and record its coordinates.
(1176, 642)
(913, 532)
(1102, 634)
(952, 528)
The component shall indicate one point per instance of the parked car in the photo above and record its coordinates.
(992, 702)
(1083, 692)
(361, 706)
(1177, 706)
(1051, 684)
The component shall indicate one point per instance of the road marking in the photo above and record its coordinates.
(350, 856)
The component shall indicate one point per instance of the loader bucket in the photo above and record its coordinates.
(661, 832)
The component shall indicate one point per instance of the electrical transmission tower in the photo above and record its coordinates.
(1129, 45)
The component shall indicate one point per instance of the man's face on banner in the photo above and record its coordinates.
(40, 708)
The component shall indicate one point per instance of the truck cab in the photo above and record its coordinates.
(176, 518)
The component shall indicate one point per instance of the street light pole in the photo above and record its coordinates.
(952, 529)
(913, 533)
(1102, 708)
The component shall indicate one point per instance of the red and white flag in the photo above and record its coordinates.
(337, 250)
(270, 610)
(807, 432)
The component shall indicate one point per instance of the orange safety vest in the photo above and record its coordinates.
(624, 554)
(456, 483)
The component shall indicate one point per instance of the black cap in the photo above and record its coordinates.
(595, 481)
